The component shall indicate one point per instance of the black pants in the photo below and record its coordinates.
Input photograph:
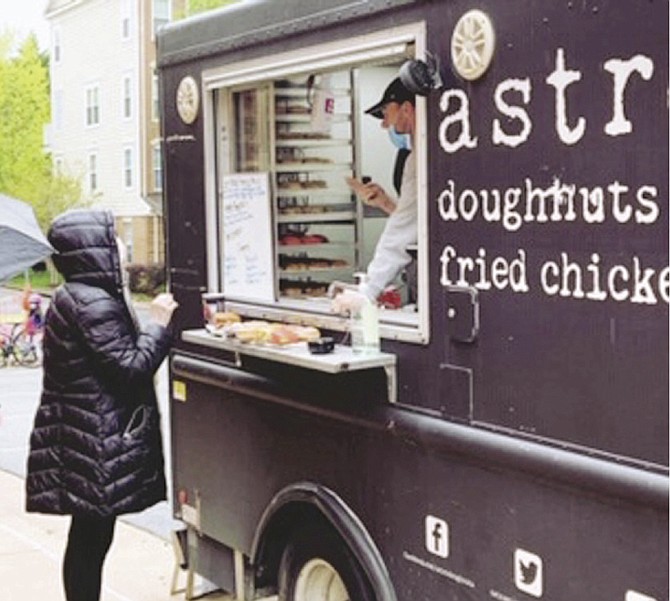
(87, 545)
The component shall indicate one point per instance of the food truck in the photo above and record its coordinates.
(509, 439)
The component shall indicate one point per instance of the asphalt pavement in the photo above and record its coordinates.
(140, 564)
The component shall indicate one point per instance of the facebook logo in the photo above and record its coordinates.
(437, 536)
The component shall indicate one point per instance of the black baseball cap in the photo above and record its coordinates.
(394, 92)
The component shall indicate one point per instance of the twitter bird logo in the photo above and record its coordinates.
(528, 572)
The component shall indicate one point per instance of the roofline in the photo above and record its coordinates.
(251, 22)
(49, 13)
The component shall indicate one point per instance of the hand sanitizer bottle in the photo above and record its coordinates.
(364, 325)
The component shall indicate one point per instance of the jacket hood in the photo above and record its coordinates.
(86, 250)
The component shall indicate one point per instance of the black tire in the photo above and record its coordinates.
(315, 550)
(5, 345)
(25, 349)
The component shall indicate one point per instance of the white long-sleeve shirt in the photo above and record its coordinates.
(399, 231)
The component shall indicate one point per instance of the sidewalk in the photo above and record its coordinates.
(138, 568)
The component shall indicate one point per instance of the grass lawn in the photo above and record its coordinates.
(40, 281)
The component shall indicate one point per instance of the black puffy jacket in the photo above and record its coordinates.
(95, 448)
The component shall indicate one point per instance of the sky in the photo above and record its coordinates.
(25, 16)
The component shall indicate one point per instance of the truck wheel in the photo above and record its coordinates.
(318, 566)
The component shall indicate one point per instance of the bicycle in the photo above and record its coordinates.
(21, 342)
(17, 347)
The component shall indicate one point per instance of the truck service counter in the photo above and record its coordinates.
(341, 360)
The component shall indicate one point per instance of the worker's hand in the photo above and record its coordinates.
(162, 308)
(375, 196)
(336, 287)
(347, 302)
(372, 194)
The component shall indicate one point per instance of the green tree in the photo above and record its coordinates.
(24, 111)
(58, 193)
(193, 7)
(25, 167)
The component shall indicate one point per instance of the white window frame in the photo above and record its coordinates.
(155, 96)
(127, 100)
(126, 20)
(56, 46)
(57, 109)
(386, 44)
(166, 18)
(128, 238)
(128, 178)
(92, 173)
(157, 166)
(92, 105)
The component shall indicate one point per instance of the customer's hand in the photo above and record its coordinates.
(162, 308)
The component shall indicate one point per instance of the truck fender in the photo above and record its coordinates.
(317, 498)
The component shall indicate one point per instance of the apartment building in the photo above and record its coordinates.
(104, 100)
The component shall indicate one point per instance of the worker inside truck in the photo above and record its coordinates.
(302, 130)
(396, 111)
(325, 170)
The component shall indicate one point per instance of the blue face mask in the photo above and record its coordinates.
(400, 141)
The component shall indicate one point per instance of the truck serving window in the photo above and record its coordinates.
(292, 138)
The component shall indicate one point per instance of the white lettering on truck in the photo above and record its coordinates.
(563, 277)
(460, 116)
(560, 79)
(516, 113)
(598, 276)
(516, 206)
(622, 71)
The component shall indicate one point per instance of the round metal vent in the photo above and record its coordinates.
(472, 45)
(188, 99)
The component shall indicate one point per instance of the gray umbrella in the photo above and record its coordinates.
(22, 242)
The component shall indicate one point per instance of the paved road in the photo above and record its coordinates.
(19, 395)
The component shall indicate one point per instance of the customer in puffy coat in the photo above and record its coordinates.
(95, 448)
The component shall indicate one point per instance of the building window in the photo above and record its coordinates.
(155, 109)
(125, 20)
(127, 88)
(56, 50)
(161, 10)
(128, 238)
(128, 167)
(57, 108)
(92, 172)
(93, 105)
(158, 167)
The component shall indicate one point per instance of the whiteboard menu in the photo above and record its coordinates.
(248, 258)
